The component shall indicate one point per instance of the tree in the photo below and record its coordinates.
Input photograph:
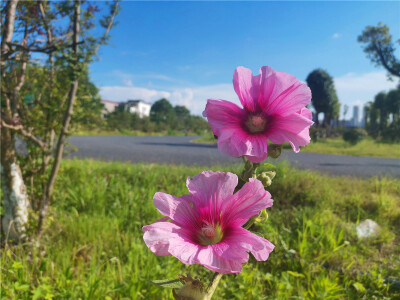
(380, 104)
(162, 112)
(324, 97)
(379, 48)
(88, 107)
(182, 117)
(38, 97)
(393, 99)
(345, 110)
(181, 112)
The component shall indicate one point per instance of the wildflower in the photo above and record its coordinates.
(205, 227)
(273, 108)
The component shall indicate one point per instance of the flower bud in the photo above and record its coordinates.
(274, 150)
(270, 174)
(192, 290)
(266, 177)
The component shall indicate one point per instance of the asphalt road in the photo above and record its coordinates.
(179, 150)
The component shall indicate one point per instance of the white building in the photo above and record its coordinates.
(109, 106)
(139, 107)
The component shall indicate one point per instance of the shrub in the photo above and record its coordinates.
(321, 133)
(354, 135)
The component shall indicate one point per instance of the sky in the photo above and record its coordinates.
(187, 51)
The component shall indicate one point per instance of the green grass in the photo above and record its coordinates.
(93, 246)
(367, 147)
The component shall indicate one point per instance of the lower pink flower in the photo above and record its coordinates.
(205, 227)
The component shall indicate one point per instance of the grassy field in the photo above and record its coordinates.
(93, 246)
(367, 147)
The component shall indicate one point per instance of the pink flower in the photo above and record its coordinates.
(205, 227)
(273, 108)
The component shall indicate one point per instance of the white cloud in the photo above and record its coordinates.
(193, 98)
(336, 35)
(358, 89)
(123, 93)
(127, 82)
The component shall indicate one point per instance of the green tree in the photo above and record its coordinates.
(393, 99)
(39, 97)
(380, 48)
(380, 104)
(162, 112)
(120, 119)
(181, 112)
(88, 107)
(324, 97)
(182, 117)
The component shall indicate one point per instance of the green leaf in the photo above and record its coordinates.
(21, 287)
(168, 283)
(295, 274)
(17, 265)
(359, 287)
(266, 167)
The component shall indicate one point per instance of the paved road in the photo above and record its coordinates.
(179, 150)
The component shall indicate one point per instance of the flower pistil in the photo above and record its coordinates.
(256, 123)
(210, 234)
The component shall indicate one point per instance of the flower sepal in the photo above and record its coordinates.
(274, 150)
(192, 290)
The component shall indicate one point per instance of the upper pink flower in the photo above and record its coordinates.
(273, 108)
(205, 227)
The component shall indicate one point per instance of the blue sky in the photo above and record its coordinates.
(187, 51)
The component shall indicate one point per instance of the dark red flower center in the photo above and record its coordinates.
(256, 123)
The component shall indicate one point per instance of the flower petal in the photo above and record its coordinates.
(177, 208)
(239, 143)
(258, 246)
(247, 202)
(184, 249)
(211, 260)
(157, 236)
(189, 253)
(247, 88)
(231, 251)
(257, 159)
(222, 114)
(293, 129)
(209, 190)
(282, 93)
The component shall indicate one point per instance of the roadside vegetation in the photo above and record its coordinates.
(164, 119)
(100, 132)
(93, 247)
(367, 147)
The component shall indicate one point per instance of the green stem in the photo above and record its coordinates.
(251, 222)
(213, 285)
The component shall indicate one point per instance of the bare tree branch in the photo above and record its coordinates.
(67, 119)
(115, 11)
(385, 63)
(27, 134)
(47, 49)
(11, 7)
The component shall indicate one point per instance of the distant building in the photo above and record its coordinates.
(140, 107)
(356, 116)
(364, 118)
(109, 106)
